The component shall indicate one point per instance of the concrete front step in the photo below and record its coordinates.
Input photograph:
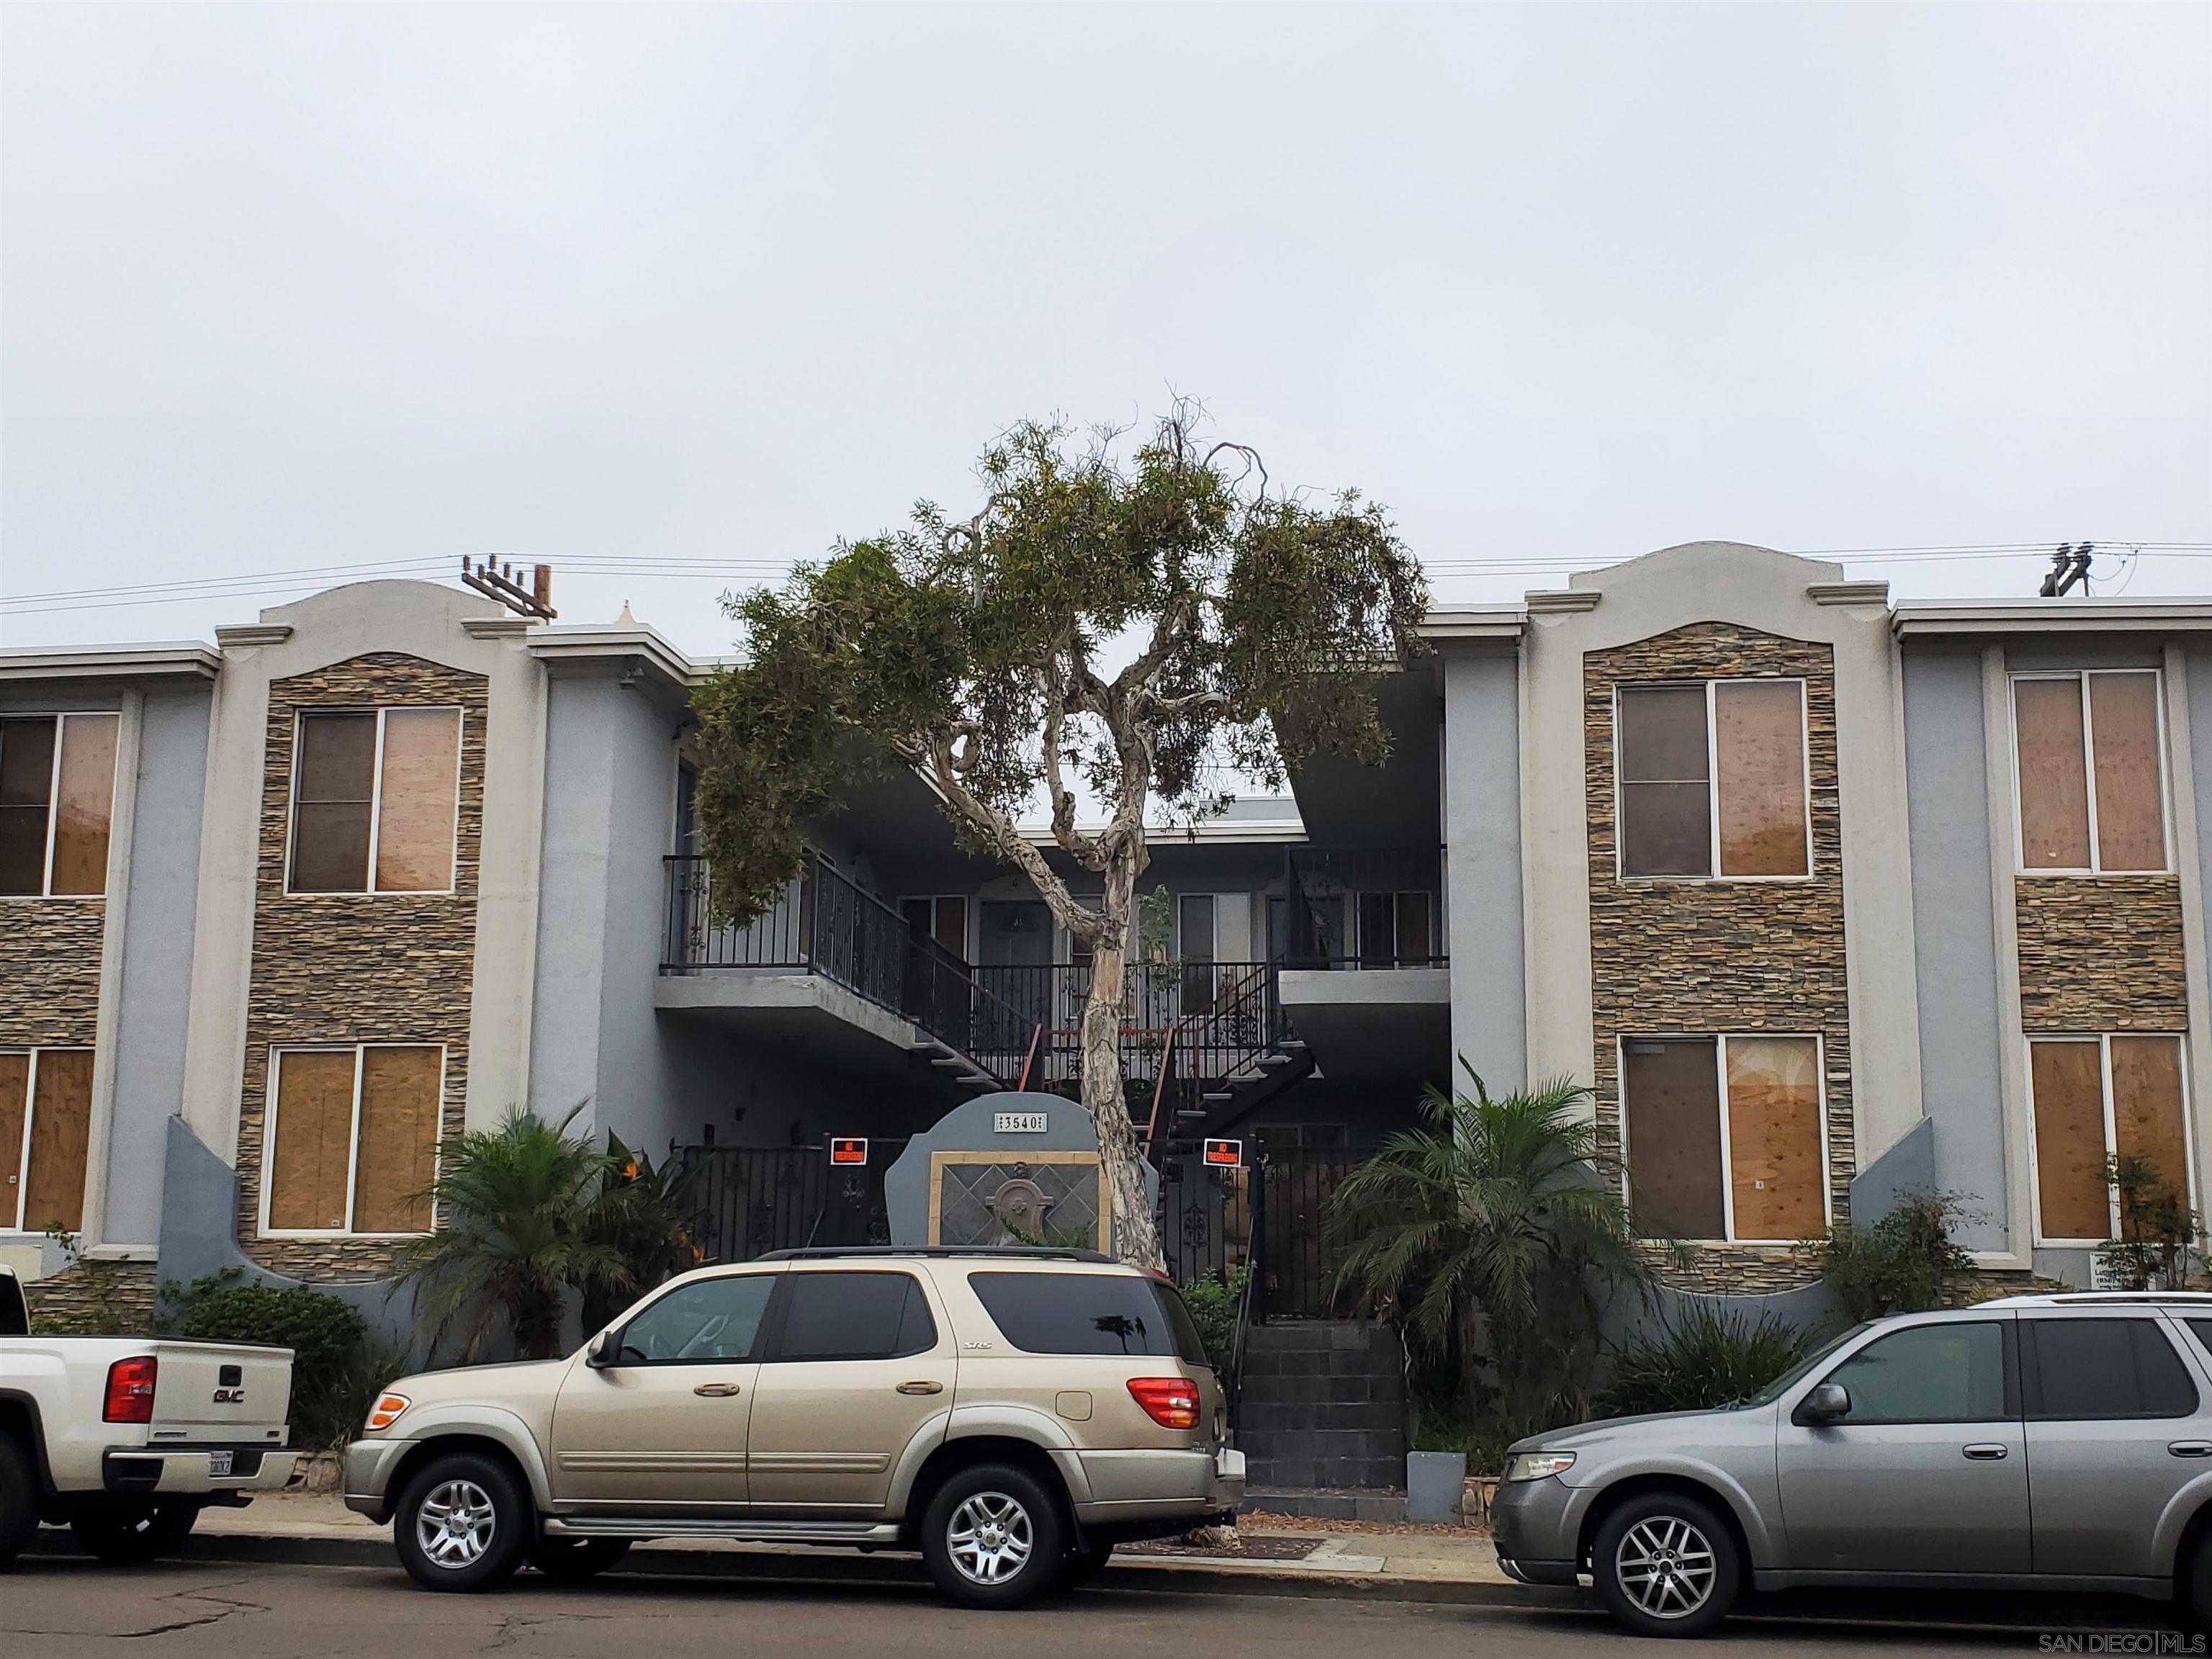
(1289, 1416)
(1307, 1336)
(1373, 1505)
(1323, 1391)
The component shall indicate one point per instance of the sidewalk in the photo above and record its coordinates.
(1446, 1563)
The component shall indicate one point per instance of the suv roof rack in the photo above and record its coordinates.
(2100, 1298)
(1028, 1252)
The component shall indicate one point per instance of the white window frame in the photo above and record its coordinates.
(2096, 865)
(1620, 870)
(271, 1092)
(21, 1166)
(1720, 1041)
(2104, 1041)
(53, 802)
(300, 718)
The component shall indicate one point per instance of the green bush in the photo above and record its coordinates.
(1213, 1304)
(337, 1366)
(1906, 1262)
(1699, 1358)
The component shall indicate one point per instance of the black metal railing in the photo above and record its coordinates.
(824, 923)
(1216, 1018)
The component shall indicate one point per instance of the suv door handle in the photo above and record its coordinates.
(2191, 1448)
(716, 1390)
(921, 1388)
(1986, 1451)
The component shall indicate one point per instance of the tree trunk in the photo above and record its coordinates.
(1136, 1230)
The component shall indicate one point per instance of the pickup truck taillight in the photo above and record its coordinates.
(129, 1391)
(1169, 1402)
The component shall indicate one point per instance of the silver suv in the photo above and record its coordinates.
(2044, 1441)
(1012, 1414)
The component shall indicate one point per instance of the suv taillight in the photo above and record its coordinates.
(129, 1391)
(1169, 1402)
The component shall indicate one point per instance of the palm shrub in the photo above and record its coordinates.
(517, 1231)
(1497, 1219)
(1702, 1357)
(644, 1214)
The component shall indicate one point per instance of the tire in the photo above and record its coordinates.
(19, 1498)
(572, 1561)
(462, 1522)
(1666, 1565)
(126, 1531)
(1079, 1566)
(992, 1537)
(2192, 1588)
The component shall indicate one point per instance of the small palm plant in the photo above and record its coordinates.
(517, 1231)
(1497, 1218)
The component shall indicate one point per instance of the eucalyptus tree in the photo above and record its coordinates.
(1142, 622)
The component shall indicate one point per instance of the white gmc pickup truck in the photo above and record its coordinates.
(126, 1439)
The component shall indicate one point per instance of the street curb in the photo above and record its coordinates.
(886, 1571)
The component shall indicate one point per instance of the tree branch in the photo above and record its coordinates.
(1085, 849)
(936, 753)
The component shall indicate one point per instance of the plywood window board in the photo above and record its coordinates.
(1725, 1137)
(353, 1137)
(2089, 753)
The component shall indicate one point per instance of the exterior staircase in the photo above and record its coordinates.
(1321, 1418)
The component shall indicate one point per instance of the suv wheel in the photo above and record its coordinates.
(571, 1560)
(19, 1498)
(463, 1523)
(127, 1532)
(1666, 1565)
(992, 1537)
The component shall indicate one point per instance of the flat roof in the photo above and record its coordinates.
(169, 660)
(2091, 616)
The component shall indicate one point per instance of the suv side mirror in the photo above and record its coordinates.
(1828, 1402)
(606, 1352)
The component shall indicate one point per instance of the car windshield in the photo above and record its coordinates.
(1782, 1385)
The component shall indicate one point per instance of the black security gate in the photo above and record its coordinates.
(1292, 1239)
(752, 1200)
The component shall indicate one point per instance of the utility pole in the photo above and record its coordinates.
(2068, 565)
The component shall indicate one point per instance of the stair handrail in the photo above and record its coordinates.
(1160, 1089)
(1236, 1340)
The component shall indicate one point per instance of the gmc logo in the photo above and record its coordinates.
(230, 1396)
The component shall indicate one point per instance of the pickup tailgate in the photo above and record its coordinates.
(221, 1392)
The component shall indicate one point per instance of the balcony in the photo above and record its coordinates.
(834, 968)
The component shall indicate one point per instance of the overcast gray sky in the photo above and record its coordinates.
(286, 288)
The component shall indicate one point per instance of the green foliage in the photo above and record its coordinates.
(1213, 1303)
(337, 1365)
(1701, 1357)
(643, 1213)
(1486, 1236)
(517, 1234)
(2161, 1239)
(1261, 626)
(1906, 1262)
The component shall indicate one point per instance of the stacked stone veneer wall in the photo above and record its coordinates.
(2101, 954)
(99, 1296)
(356, 967)
(1670, 954)
(50, 971)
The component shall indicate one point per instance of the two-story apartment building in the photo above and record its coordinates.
(1826, 899)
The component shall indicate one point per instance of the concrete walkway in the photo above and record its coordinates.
(1435, 1564)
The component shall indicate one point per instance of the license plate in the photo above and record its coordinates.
(218, 1464)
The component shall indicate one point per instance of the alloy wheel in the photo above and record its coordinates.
(455, 1523)
(990, 1538)
(1665, 1566)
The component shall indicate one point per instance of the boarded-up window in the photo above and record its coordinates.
(330, 814)
(56, 790)
(2072, 730)
(1674, 1137)
(2130, 791)
(1759, 731)
(398, 1139)
(15, 1119)
(61, 1131)
(353, 1144)
(2073, 1198)
(2147, 1119)
(1666, 781)
(416, 800)
(375, 795)
(311, 1151)
(1775, 1172)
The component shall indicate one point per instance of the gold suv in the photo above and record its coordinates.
(1012, 1414)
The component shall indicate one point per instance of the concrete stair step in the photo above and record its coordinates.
(1375, 1505)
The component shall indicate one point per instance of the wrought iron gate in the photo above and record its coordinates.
(753, 1199)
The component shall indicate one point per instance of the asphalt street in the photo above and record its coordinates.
(56, 1607)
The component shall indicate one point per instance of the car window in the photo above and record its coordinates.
(2202, 1330)
(854, 1315)
(2078, 1369)
(708, 1320)
(1190, 1346)
(1782, 1385)
(1928, 1374)
(1081, 1313)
